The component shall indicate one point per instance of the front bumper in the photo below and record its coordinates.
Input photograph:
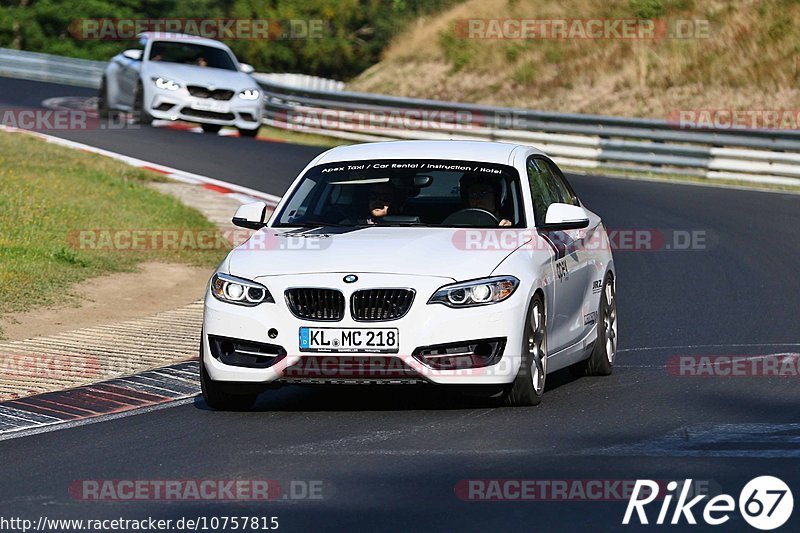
(180, 105)
(424, 325)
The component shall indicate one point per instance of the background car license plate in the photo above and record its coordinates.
(349, 340)
(210, 105)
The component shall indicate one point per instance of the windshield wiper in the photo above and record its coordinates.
(401, 224)
(313, 224)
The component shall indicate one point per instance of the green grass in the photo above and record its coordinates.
(299, 137)
(49, 193)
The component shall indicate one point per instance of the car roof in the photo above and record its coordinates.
(485, 151)
(182, 37)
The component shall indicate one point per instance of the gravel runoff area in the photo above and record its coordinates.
(87, 355)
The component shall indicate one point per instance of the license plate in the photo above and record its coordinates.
(368, 340)
(211, 105)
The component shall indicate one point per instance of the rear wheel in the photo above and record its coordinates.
(528, 386)
(248, 133)
(140, 114)
(211, 128)
(601, 362)
(102, 102)
(218, 397)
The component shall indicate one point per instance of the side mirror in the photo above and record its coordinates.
(561, 217)
(246, 68)
(135, 55)
(251, 216)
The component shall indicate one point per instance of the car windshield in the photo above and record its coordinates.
(439, 193)
(191, 54)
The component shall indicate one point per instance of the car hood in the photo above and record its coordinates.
(397, 250)
(194, 75)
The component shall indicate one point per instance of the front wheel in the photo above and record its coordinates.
(211, 128)
(140, 114)
(601, 362)
(248, 133)
(102, 102)
(528, 386)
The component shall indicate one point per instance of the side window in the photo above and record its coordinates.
(561, 184)
(544, 190)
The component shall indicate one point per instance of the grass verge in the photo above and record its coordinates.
(297, 137)
(49, 194)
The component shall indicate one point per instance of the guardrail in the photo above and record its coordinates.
(87, 73)
(587, 141)
(318, 105)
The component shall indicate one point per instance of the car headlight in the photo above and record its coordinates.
(239, 291)
(477, 292)
(164, 83)
(249, 94)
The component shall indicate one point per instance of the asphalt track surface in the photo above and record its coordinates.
(391, 458)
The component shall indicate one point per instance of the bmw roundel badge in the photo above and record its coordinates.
(350, 278)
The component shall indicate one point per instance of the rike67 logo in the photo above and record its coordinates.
(765, 503)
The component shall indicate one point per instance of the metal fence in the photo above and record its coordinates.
(321, 106)
(587, 141)
(87, 73)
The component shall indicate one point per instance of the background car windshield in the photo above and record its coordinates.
(408, 193)
(191, 54)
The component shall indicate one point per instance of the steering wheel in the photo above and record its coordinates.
(471, 216)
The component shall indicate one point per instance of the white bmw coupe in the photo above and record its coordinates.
(455, 263)
(173, 76)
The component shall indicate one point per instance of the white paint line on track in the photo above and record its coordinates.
(690, 346)
(751, 440)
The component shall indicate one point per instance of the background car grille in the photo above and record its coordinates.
(316, 304)
(189, 112)
(204, 92)
(380, 304)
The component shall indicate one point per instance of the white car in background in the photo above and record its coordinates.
(182, 77)
(471, 264)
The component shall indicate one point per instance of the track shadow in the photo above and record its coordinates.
(295, 398)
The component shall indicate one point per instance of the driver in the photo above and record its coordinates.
(381, 201)
(481, 193)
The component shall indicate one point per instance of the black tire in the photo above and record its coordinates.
(211, 128)
(251, 134)
(102, 102)
(217, 397)
(523, 392)
(140, 114)
(601, 362)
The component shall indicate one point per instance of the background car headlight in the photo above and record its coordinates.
(239, 291)
(164, 83)
(249, 94)
(477, 292)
